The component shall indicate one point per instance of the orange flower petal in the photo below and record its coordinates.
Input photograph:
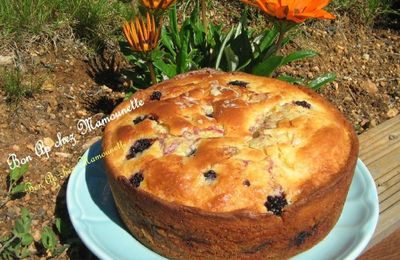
(293, 10)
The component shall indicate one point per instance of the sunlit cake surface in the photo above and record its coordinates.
(229, 143)
(251, 135)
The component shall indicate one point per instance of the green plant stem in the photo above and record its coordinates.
(152, 72)
(10, 187)
(204, 14)
(278, 45)
(281, 36)
(4, 202)
(7, 244)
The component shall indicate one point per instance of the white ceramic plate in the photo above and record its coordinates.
(94, 216)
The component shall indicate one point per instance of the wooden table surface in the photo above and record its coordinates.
(380, 151)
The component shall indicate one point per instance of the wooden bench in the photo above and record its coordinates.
(380, 151)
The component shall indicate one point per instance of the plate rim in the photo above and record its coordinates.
(100, 252)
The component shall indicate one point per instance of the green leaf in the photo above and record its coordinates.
(48, 238)
(22, 225)
(18, 172)
(58, 223)
(298, 55)
(173, 19)
(242, 47)
(168, 69)
(167, 41)
(181, 62)
(268, 39)
(4, 238)
(128, 95)
(290, 79)
(26, 239)
(318, 82)
(268, 66)
(60, 249)
(18, 189)
(19, 228)
(222, 48)
(26, 216)
(232, 59)
(23, 253)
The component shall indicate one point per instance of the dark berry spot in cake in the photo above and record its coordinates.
(238, 83)
(153, 117)
(301, 237)
(138, 147)
(136, 179)
(275, 204)
(210, 175)
(302, 103)
(156, 95)
(246, 183)
(256, 134)
(258, 247)
(141, 118)
(192, 152)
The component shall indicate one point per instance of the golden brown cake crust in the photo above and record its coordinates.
(229, 165)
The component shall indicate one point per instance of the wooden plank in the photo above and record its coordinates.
(389, 188)
(388, 249)
(380, 151)
(383, 165)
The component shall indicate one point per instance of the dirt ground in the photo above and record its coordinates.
(367, 90)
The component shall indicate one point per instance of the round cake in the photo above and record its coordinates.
(229, 165)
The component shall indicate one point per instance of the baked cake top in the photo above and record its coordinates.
(226, 142)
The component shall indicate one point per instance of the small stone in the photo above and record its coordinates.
(392, 112)
(81, 113)
(63, 155)
(369, 86)
(13, 212)
(36, 235)
(386, 98)
(6, 60)
(52, 116)
(48, 86)
(373, 123)
(48, 142)
(366, 57)
(30, 147)
(15, 148)
(315, 69)
(41, 212)
(365, 123)
(347, 98)
(106, 89)
(393, 137)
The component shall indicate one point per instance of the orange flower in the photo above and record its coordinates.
(294, 10)
(142, 36)
(157, 4)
